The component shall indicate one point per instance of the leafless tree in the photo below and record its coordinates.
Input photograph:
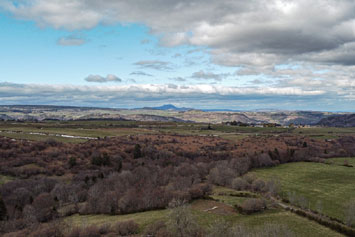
(350, 214)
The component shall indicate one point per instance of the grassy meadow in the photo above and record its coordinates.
(224, 212)
(327, 187)
(102, 128)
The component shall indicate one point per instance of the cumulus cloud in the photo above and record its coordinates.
(71, 41)
(154, 64)
(238, 32)
(101, 79)
(253, 35)
(154, 90)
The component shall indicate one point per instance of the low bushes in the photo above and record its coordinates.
(126, 228)
(251, 205)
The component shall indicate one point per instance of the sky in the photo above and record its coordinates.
(207, 54)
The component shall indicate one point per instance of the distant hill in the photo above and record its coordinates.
(346, 120)
(168, 107)
(162, 113)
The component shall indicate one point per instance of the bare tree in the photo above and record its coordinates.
(220, 228)
(319, 206)
(350, 214)
(273, 186)
(182, 223)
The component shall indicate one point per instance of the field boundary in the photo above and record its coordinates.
(320, 219)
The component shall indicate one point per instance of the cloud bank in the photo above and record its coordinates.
(313, 40)
(238, 32)
(193, 95)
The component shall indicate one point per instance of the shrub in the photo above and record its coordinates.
(3, 211)
(137, 153)
(258, 185)
(249, 178)
(74, 232)
(156, 229)
(253, 205)
(44, 206)
(104, 229)
(96, 159)
(53, 229)
(126, 228)
(90, 231)
(239, 184)
(100, 159)
(72, 162)
(105, 160)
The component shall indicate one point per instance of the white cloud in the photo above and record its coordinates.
(154, 64)
(151, 90)
(239, 32)
(209, 75)
(285, 96)
(141, 73)
(101, 79)
(255, 35)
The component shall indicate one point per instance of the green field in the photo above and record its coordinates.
(340, 161)
(5, 179)
(300, 226)
(329, 187)
(324, 132)
(32, 137)
(83, 129)
(102, 128)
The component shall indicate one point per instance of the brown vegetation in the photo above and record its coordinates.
(138, 173)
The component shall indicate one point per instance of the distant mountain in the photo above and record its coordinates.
(346, 120)
(168, 107)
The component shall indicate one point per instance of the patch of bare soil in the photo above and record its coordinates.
(214, 207)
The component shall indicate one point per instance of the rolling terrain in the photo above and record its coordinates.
(347, 120)
(162, 113)
(138, 178)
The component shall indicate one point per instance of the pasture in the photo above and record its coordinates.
(325, 188)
